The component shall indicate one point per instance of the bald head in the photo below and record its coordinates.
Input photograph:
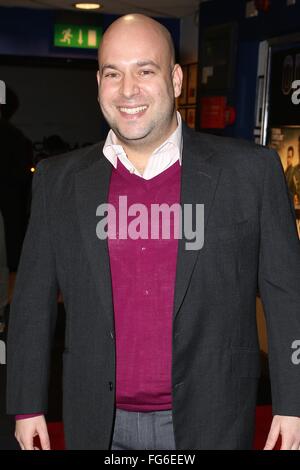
(140, 27)
(138, 82)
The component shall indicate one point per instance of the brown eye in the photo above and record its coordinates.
(111, 75)
(146, 72)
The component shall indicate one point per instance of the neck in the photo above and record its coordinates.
(138, 154)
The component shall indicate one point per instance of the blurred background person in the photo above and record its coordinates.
(289, 171)
(16, 156)
(296, 173)
(3, 276)
(51, 146)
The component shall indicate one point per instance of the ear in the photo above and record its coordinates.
(177, 77)
(98, 77)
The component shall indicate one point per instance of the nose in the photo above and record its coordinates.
(129, 86)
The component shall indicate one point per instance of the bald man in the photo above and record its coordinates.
(168, 357)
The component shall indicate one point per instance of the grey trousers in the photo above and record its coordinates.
(143, 431)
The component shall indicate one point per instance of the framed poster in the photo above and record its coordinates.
(183, 113)
(277, 90)
(286, 141)
(192, 84)
(189, 85)
(191, 117)
(284, 75)
(183, 97)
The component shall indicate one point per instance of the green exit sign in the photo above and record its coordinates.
(70, 35)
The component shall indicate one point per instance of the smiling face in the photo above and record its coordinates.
(138, 82)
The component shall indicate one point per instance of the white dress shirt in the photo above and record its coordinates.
(162, 158)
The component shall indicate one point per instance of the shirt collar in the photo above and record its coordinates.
(112, 149)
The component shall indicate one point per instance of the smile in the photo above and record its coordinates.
(137, 110)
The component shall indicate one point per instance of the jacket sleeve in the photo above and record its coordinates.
(33, 312)
(279, 286)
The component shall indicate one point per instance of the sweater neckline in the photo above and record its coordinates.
(152, 182)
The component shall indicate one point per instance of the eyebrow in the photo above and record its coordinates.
(140, 63)
(108, 66)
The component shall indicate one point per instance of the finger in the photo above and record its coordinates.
(19, 441)
(295, 446)
(286, 443)
(28, 444)
(272, 437)
(44, 438)
(36, 448)
(21, 445)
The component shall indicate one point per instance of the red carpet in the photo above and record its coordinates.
(263, 422)
(262, 427)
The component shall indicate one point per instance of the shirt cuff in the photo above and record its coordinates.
(17, 417)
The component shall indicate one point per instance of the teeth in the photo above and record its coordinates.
(133, 110)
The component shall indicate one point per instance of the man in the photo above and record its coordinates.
(289, 171)
(15, 179)
(296, 173)
(169, 356)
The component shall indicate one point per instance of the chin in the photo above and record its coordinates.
(130, 136)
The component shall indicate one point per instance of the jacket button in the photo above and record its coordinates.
(111, 386)
(179, 384)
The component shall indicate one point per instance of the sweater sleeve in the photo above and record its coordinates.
(17, 417)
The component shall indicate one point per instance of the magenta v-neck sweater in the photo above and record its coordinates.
(143, 281)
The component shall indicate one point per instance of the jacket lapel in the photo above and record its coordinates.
(92, 185)
(199, 181)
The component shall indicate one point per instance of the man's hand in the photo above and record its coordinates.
(28, 428)
(288, 427)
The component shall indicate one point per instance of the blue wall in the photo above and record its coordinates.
(29, 32)
(279, 21)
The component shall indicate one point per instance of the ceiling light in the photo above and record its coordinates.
(88, 6)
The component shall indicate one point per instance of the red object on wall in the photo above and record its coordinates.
(212, 112)
(263, 5)
(215, 114)
(230, 115)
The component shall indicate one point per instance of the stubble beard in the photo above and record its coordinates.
(149, 136)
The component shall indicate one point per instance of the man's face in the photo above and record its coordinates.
(138, 85)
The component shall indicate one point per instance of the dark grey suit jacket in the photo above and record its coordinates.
(250, 242)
